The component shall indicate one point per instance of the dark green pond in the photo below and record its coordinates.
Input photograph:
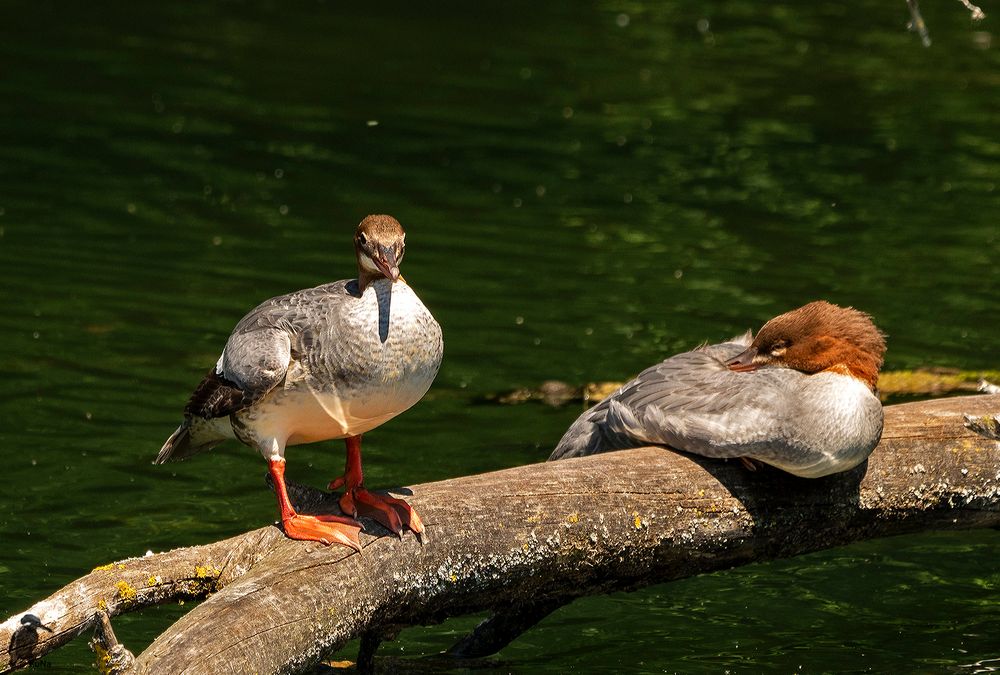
(588, 188)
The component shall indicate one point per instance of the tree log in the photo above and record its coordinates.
(521, 542)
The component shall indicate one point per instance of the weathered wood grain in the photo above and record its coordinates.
(525, 539)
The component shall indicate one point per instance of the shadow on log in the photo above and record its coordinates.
(522, 542)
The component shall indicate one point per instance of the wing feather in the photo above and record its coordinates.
(691, 402)
(261, 348)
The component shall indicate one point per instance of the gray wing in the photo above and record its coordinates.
(260, 349)
(690, 402)
(696, 404)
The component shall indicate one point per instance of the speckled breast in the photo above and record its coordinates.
(367, 361)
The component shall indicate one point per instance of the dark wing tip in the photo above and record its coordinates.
(216, 397)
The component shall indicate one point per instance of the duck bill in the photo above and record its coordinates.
(743, 362)
(386, 262)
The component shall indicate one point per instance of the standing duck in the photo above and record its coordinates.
(800, 396)
(333, 361)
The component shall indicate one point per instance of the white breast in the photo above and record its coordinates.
(366, 362)
(836, 422)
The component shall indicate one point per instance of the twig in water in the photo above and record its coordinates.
(917, 24)
(977, 13)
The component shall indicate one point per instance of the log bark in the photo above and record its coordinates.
(521, 542)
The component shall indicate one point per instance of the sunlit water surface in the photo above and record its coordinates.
(588, 188)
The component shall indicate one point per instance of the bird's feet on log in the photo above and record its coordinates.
(395, 514)
(326, 529)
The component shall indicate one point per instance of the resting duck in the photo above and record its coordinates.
(333, 361)
(800, 396)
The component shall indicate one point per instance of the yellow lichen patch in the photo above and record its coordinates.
(206, 571)
(120, 566)
(101, 605)
(126, 593)
(103, 657)
(453, 577)
(103, 568)
(526, 547)
(637, 520)
(152, 581)
(534, 519)
(573, 518)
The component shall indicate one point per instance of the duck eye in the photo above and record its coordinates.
(779, 348)
(362, 239)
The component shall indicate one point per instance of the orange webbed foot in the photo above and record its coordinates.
(393, 513)
(326, 529)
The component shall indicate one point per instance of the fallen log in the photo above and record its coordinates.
(521, 542)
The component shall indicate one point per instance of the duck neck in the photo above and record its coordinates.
(861, 367)
(365, 278)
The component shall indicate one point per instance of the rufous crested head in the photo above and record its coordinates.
(816, 337)
(379, 243)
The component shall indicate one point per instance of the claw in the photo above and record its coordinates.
(395, 514)
(347, 504)
(414, 522)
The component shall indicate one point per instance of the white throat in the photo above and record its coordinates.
(368, 264)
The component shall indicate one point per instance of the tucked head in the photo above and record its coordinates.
(816, 337)
(379, 243)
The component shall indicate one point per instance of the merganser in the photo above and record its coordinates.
(800, 396)
(329, 362)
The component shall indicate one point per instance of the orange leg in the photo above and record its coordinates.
(394, 513)
(327, 529)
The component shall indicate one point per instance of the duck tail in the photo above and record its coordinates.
(585, 436)
(181, 445)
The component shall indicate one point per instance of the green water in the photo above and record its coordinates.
(588, 188)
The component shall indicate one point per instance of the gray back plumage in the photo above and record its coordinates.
(808, 425)
(333, 339)
(329, 339)
(680, 380)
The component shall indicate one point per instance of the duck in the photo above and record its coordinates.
(330, 362)
(801, 396)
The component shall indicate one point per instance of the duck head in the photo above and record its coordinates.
(816, 337)
(379, 244)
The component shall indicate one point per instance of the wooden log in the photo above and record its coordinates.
(527, 539)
